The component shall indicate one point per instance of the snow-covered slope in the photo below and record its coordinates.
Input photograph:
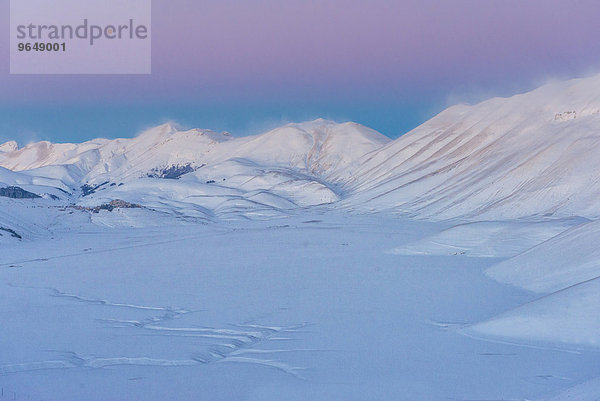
(10, 146)
(565, 260)
(567, 269)
(531, 154)
(488, 238)
(38, 185)
(319, 147)
(569, 316)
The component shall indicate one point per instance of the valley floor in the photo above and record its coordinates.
(317, 307)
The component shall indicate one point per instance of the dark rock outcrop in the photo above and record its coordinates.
(17, 193)
(173, 172)
(90, 189)
(11, 232)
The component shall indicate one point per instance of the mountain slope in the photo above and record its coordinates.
(201, 172)
(531, 154)
(118, 159)
(563, 261)
(569, 316)
(319, 147)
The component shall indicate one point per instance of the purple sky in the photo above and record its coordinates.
(413, 54)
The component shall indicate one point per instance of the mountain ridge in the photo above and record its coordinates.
(530, 155)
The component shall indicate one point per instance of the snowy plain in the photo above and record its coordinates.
(317, 261)
(304, 307)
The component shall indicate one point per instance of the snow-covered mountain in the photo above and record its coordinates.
(119, 159)
(201, 172)
(10, 146)
(319, 147)
(533, 154)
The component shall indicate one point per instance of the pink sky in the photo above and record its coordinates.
(418, 53)
(215, 48)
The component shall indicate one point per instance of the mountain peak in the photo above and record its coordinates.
(163, 130)
(209, 134)
(312, 124)
(9, 146)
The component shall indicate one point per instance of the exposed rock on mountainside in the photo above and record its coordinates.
(11, 232)
(172, 172)
(87, 189)
(17, 193)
